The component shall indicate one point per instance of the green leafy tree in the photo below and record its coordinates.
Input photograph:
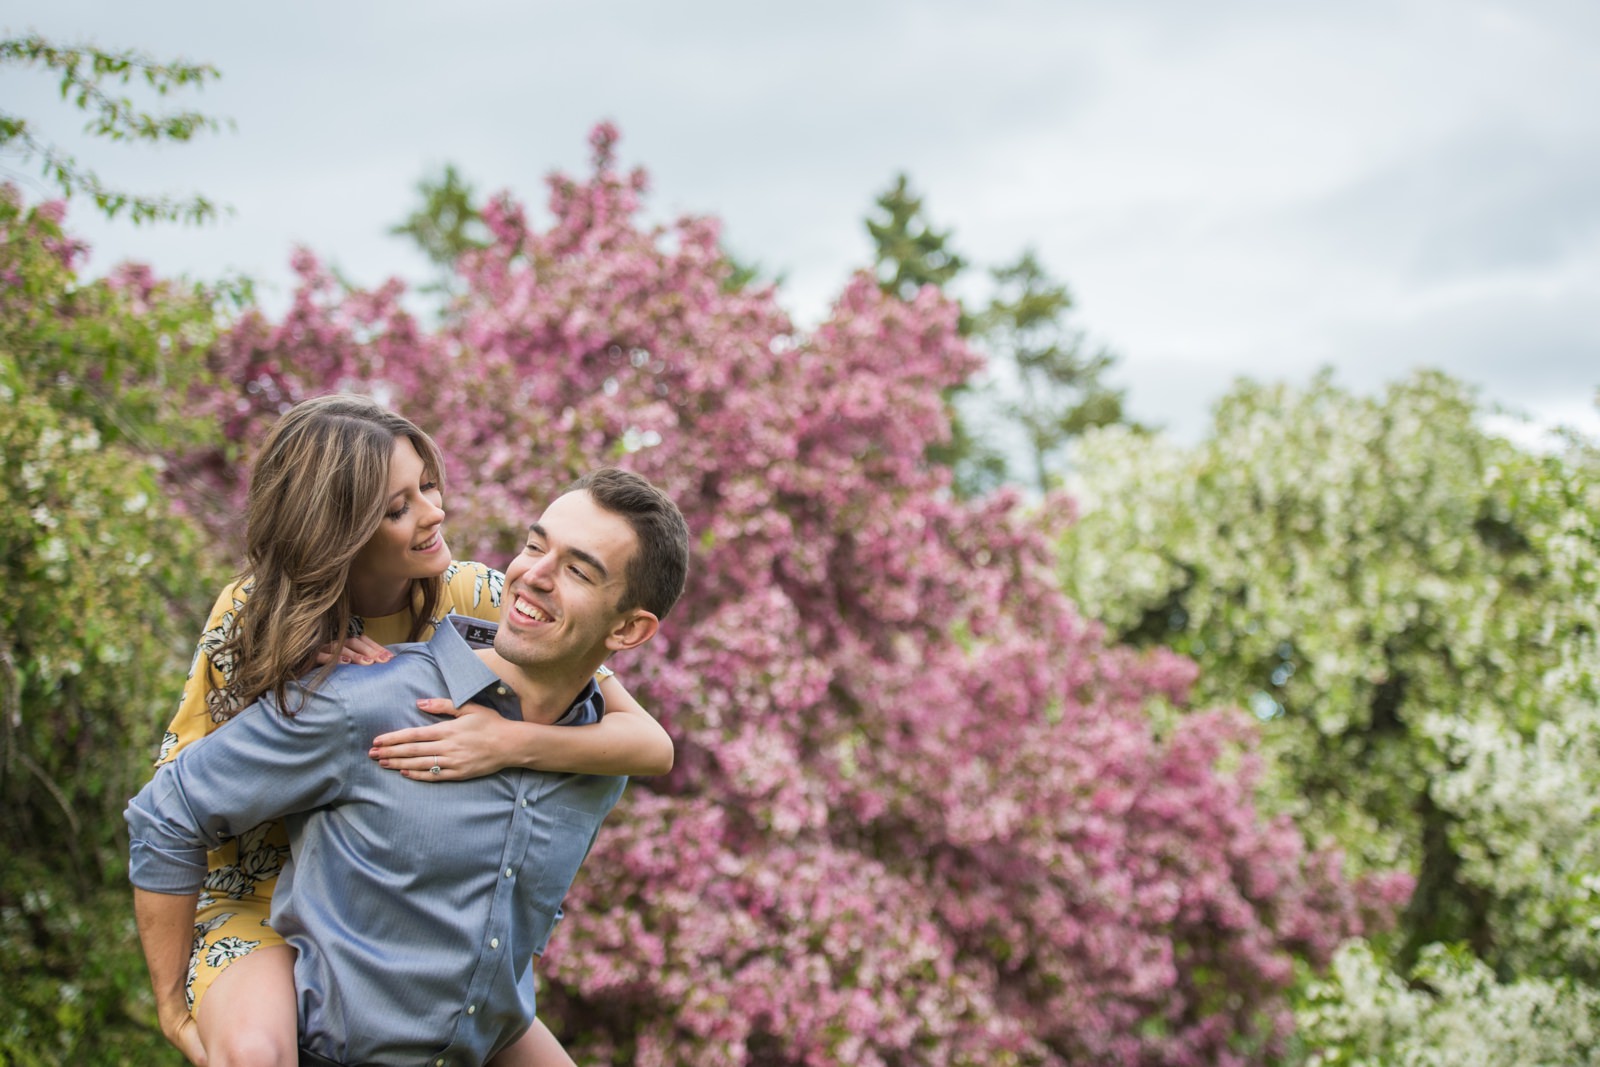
(1056, 391)
(102, 583)
(1044, 386)
(910, 253)
(1410, 605)
(99, 572)
(746, 273)
(446, 225)
(97, 82)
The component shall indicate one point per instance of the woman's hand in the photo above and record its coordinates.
(471, 744)
(184, 1033)
(361, 649)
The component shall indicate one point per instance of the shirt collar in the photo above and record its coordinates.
(466, 676)
(588, 708)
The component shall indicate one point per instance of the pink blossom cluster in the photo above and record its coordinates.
(23, 227)
(920, 813)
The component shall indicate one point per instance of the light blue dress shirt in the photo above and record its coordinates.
(416, 907)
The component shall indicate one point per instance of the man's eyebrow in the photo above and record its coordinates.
(536, 530)
(593, 561)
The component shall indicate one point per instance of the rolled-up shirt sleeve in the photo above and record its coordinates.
(262, 765)
(166, 852)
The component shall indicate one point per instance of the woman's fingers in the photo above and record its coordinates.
(366, 646)
(414, 761)
(469, 744)
(421, 767)
(362, 649)
(402, 743)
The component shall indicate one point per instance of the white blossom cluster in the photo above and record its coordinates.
(1364, 1015)
(1411, 607)
(1529, 812)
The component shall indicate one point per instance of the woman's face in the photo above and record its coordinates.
(409, 542)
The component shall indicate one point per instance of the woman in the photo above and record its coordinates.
(345, 553)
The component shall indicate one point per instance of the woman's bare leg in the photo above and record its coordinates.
(248, 1018)
(536, 1048)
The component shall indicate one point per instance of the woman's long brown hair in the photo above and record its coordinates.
(318, 493)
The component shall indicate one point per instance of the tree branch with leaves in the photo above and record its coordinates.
(96, 82)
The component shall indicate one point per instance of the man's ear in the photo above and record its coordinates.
(635, 628)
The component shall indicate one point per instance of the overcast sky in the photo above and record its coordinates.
(1240, 187)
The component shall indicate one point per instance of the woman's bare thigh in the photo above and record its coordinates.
(248, 1017)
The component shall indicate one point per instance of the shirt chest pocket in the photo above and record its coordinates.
(560, 841)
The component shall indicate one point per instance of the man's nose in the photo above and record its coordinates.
(543, 570)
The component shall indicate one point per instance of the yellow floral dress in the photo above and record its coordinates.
(231, 921)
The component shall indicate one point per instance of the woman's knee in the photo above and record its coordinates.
(248, 1015)
(253, 1046)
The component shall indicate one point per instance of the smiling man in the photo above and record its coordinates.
(416, 912)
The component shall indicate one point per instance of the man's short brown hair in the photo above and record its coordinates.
(656, 575)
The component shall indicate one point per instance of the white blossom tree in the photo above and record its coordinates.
(1409, 605)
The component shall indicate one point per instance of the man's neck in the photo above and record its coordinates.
(545, 693)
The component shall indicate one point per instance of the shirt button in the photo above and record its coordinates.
(508, 872)
(438, 1063)
(494, 942)
(500, 690)
(472, 1009)
(524, 801)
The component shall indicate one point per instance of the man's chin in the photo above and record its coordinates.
(522, 649)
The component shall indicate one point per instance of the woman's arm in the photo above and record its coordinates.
(476, 741)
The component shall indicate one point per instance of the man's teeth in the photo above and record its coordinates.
(532, 612)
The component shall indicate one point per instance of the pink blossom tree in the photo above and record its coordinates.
(921, 812)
